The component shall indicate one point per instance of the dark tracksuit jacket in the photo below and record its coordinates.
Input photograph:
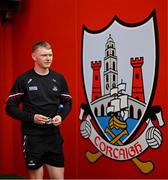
(38, 95)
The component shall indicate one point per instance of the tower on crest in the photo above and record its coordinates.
(137, 79)
(96, 82)
(110, 66)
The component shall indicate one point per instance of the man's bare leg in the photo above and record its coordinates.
(36, 174)
(55, 172)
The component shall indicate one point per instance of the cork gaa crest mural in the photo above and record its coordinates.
(119, 66)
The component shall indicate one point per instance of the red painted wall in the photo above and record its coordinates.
(6, 75)
(95, 15)
(61, 23)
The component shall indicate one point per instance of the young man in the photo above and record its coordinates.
(46, 102)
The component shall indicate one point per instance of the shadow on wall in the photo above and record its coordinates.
(11, 176)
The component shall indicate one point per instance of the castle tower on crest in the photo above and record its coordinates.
(96, 82)
(137, 79)
(110, 66)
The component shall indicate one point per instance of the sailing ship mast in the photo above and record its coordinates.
(118, 107)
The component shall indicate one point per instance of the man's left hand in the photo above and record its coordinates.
(57, 120)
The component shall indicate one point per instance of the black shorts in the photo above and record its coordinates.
(39, 150)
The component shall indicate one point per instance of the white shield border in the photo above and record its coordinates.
(152, 15)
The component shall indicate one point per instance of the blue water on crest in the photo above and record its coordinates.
(103, 121)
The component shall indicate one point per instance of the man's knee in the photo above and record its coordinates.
(36, 174)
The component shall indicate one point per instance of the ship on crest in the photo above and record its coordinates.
(118, 109)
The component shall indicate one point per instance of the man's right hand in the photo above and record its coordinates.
(40, 119)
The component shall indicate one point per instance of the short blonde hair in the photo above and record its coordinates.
(41, 44)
